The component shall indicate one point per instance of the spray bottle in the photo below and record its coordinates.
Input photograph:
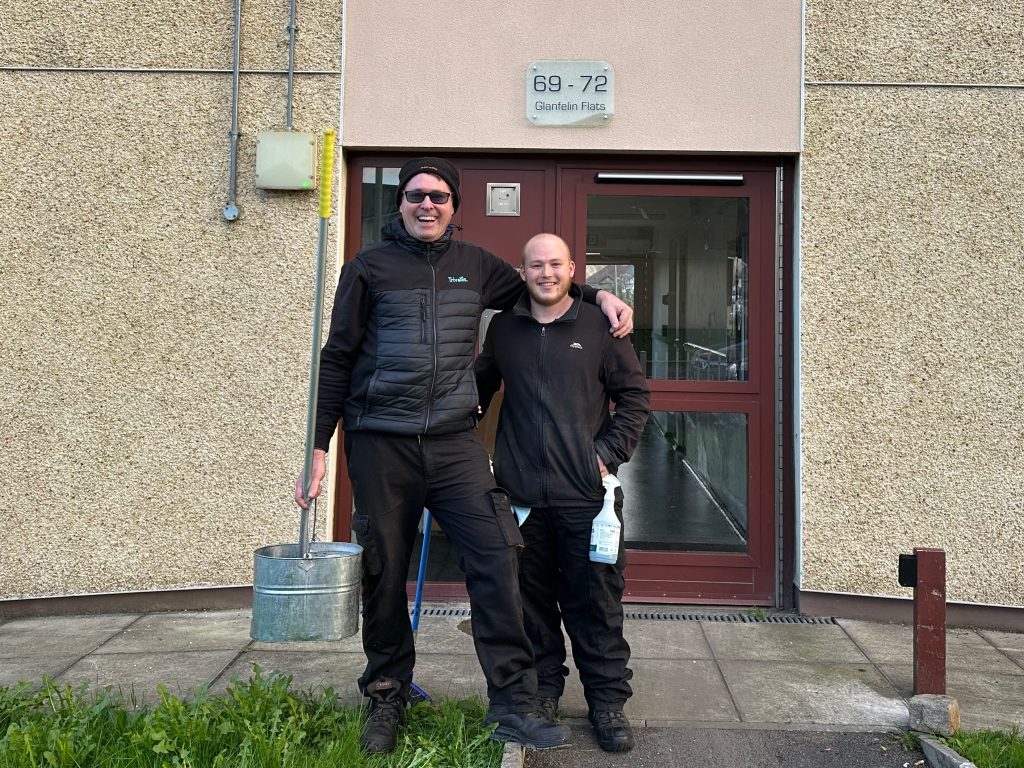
(604, 536)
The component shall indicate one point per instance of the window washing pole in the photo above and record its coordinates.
(326, 173)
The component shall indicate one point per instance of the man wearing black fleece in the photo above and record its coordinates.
(397, 370)
(556, 441)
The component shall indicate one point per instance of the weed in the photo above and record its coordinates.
(908, 741)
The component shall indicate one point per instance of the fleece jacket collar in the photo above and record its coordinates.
(395, 230)
(522, 307)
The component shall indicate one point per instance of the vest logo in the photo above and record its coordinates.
(575, 345)
(459, 279)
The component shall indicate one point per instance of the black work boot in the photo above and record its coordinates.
(547, 706)
(529, 729)
(612, 730)
(387, 709)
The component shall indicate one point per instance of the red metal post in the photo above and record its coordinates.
(930, 622)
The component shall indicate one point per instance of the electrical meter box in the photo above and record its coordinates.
(285, 160)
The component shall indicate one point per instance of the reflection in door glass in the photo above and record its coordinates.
(681, 262)
(685, 488)
(380, 185)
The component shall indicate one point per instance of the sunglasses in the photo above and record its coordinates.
(437, 198)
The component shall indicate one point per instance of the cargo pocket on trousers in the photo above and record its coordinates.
(366, 539)
(507, 521)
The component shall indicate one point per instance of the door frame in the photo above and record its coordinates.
(770, 465)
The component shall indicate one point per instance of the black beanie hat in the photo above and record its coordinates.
(437, 166)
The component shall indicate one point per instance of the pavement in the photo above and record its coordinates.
(711, 687)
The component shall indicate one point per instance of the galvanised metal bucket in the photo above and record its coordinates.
(312, 598)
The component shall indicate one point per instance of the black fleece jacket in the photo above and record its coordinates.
(559, 379)
(403, 334)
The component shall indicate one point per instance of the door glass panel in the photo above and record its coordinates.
(681, 262)
(685, 488)
(380, 185)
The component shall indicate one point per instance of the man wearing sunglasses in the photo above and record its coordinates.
(397, 370)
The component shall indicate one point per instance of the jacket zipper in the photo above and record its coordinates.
(433, 341)
(540, 399)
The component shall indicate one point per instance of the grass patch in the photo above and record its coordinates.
(259, 723)
(990, 749)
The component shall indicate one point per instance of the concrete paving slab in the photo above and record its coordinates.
(781, 642)
(967, 650)
(437, 634)
(181, 672)
(1010, 643)
(449, 675)
(986, 700)
(440, 675)
(445, 634)
(59, 635)
(309, 670)
(666, 640)
(1006, 641)
(728, 748)
(841, 694)
(688, 690)
(884, 643)
(691, 690)
(351, 644)
(186, 631)
(894, 644)
(32, 669)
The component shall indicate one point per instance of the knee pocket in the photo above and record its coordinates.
(508, 524)
(364, 535)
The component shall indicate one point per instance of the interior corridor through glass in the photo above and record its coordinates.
(684, 490)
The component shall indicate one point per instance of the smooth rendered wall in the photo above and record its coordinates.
(155, 356)
(912, 262)
(692, 76)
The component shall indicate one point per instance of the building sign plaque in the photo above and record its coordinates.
(570, 93)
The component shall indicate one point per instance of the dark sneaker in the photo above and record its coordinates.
(547, 706)
(612, 730)
(530, 730)
(387, 709)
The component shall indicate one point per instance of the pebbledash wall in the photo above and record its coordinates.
(154, 355)
(152, 391)
(911, 262)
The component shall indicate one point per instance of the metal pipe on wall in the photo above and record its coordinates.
(231, 209)
(292, 31)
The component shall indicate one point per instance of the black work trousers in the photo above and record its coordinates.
(393, 478)
(560, 583)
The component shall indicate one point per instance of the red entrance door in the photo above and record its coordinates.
(694, 252)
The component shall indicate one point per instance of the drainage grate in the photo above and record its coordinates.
(743, 618)
(442, 612)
